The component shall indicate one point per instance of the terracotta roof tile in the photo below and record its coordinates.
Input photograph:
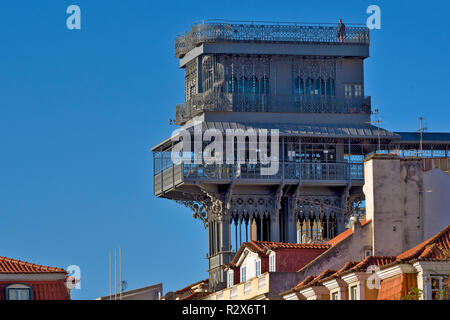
(372, 260)
(435, 248)
(196, 295)
(396, 287)
(347, 266)
(345, 234)
(261, 247)
(43, 290)
(314, 281)
(304, 282)
(189, 287)
(266, 245)
(8, 265)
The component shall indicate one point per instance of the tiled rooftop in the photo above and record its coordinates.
(8, 265)
(345, 234)
(43, 290)
(261, 247)
(189, 287)
(435, 248)
(396, 287)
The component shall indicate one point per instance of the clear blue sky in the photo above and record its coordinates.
(79, 111)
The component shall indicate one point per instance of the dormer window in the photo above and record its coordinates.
(439, 287)
(258, 267)
(18, 292)
(243, 274)
(230, 278)
(272, 262)
(353, 293)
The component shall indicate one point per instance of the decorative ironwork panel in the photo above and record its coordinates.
(279, 32)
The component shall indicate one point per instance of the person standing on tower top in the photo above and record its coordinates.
(341, 31)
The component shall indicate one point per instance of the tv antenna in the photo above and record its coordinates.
(122, 284)
(377, 122)
(421, 130)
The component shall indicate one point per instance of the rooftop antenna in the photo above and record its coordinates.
(110, 287)
(122, 283)
(377, 122)
(115, 274)
(421, 130)
(120, 272)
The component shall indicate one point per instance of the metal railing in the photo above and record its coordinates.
(239, 102)
(213, 31)
(287, 171)
(313, 171)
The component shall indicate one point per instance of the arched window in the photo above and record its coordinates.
(18, 291)
(265, 85)
(244, 85)
(232, 85)
(309, 88)
(255, 86)
(319, 88)
(331, 91)
(299, 86)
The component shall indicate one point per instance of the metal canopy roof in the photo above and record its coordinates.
(429, 137)
(328, 131)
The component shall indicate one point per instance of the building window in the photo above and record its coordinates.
(331, 87)
(230, 278)
(354, 293)
(232, 85)
(335, 296)
(299, 88)
(243, 274)
(319, 87)
(258, 267)
(264, 85)
(244, 85)
(348, 90)
(272, 262)
(18, 292)
(255, 86)
(309, 88)
(440, 287)
(358, 90)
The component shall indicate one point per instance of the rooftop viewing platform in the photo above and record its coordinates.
(229, 102)
(210, 31)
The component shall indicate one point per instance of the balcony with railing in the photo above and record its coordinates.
(172, 175)
(240, 102)
(277, 32)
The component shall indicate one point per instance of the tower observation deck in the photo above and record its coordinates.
(288, 96)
